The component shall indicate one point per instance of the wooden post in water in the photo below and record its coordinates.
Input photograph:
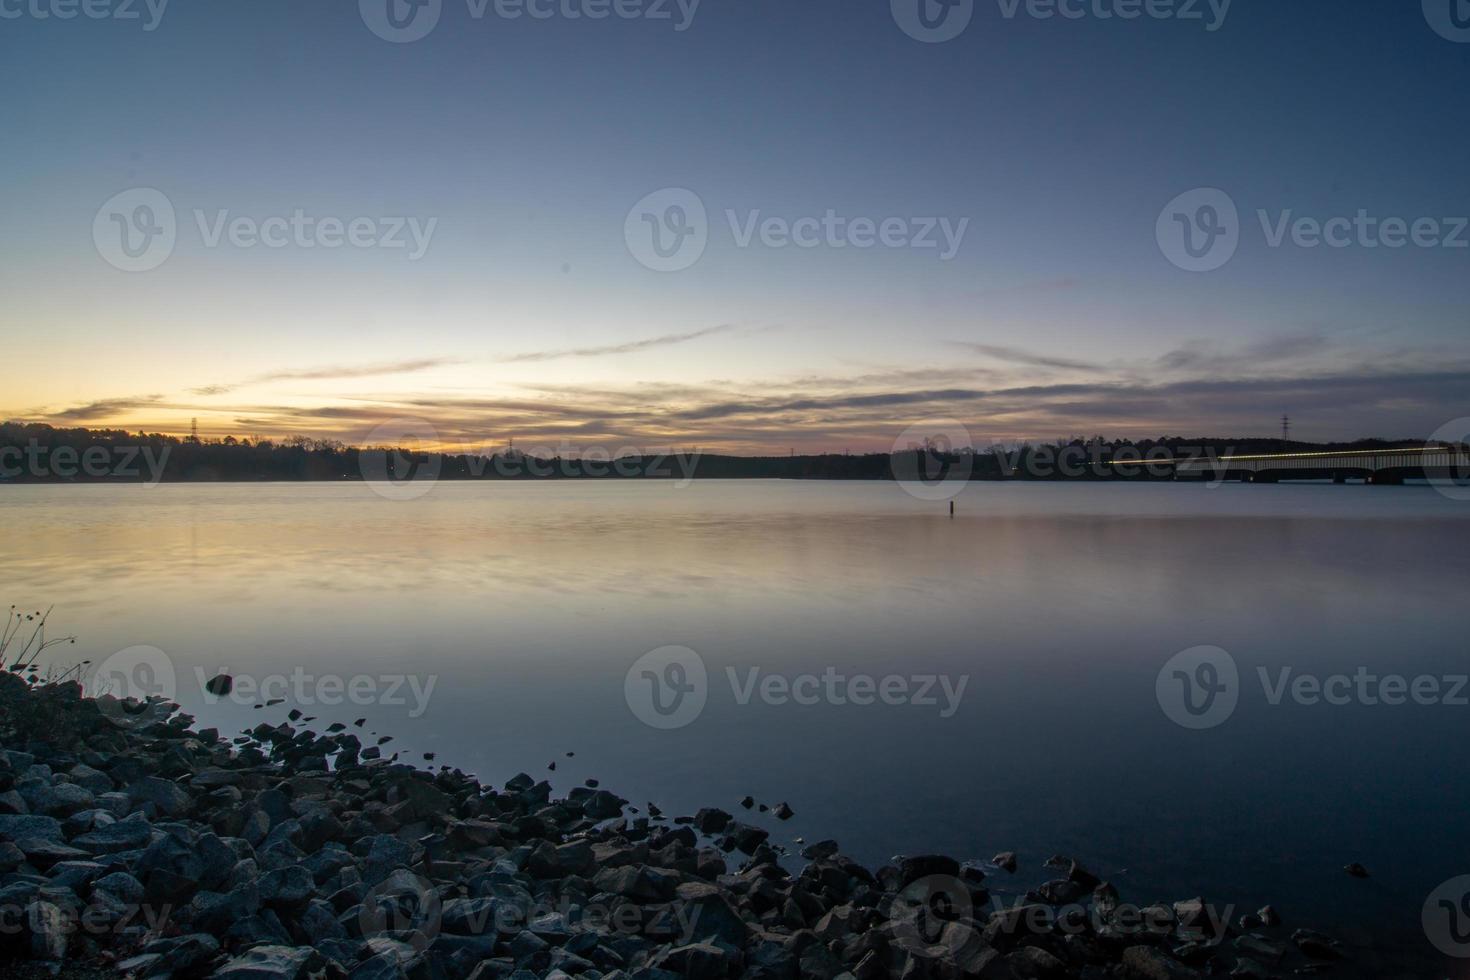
(951, 508)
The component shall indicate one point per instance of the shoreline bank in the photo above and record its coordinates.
(131, 840)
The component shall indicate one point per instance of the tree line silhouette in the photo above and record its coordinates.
(41, 453)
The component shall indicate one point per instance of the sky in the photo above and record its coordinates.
(346, 221)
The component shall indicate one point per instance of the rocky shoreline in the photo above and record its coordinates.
(133, 842)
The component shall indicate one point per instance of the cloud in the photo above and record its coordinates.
(667, 340)
(331, 374)
(1204, 357)
(103, 409)
(827, 414)
(1016, 355)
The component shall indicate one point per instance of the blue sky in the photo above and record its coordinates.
(517, 147)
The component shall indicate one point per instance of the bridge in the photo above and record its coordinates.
(1380, 466)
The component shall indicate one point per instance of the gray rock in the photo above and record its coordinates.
(272, 963)
(384, 966)
(385, 855)
(289, 887)
(50, 931)
(121, 885)
(167, 796)
(121, 835)
(11, 857)
(16, 827)
(60, 799)
(1148, 963)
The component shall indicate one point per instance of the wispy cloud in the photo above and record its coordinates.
(1015, 355)
(667, 340)
(331, 373)
(104, 409)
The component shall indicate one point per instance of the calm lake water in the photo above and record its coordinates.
(526, 606)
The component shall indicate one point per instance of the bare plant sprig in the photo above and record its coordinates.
(35, 644)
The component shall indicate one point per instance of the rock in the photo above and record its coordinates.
(289, 888)
(748, 802)
(167, 796)
(820, 851)
(1258, 947)
(123, 835)
(1058, 891)
(1035, 963)
(745, 838)
(220, 685)
(1356, 870)
(783, 811)
(183, 955)
(272, 963)
(44, 853)
(1148, 963)
(911, 869)
(710, 820)
(122, 885)
(11, 857)
(696, 961)
(24, 826)
(385, 855)
(603, 805)
(50, 931)
(60, 799)
(1316, 945)
(1005, 861)
(638, 883)
(384, 966)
